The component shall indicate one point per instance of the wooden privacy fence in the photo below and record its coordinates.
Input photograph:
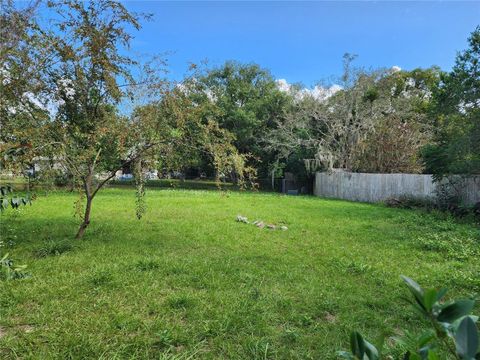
(379, 187)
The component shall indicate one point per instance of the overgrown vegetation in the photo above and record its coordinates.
(456, 109)
(449, 204)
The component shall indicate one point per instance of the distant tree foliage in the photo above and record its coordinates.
(456, 110)
(403, 128)
(22, 114)
(377, 122)
(246, 101)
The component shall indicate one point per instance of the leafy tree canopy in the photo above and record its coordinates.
(456, 109)
(247, 101)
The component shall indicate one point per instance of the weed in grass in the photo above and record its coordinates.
(254, 294)
(172, 353)
(100, 278)
(9, 271)
(163, 340)
(180, 302)
(176, 269)
(53, 248)
(259, 349)
(306, 320)
(147, 265)
(210, 329)
(352, 267)
(449, 245)
(283, 304)
(290, 336)
(126, 322)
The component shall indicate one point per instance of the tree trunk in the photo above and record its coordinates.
(86, 218)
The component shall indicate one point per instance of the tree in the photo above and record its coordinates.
(331, 128)
(377, 122)
(456, 109)
(87, 76)
(83, 80)
(192, 136)
(22, 111)
(403, 127)
(245, 100)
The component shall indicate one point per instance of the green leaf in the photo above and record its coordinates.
(362, 349)
(3, 204)
(452, 312)
(357, 345)
(454, 326)
(441, 293)
(371, 351)
(432, 355)
(416, 290)
(466, 339)
(425, 338)
(412, 356)
(15, 202)
(430, 298)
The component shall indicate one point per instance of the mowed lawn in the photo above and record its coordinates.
(188, 281)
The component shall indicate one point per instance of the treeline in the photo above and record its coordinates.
(67, 82)
(380, 121)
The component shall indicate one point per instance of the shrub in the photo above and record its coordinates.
(410, 202)
(177, 184)
(444, 203)
(452, 330)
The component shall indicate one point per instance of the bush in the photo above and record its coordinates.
(453, 330)
(444, 203)
(410, 202)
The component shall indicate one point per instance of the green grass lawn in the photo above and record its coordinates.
(188, 281)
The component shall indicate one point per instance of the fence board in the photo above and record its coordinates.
(379, 187)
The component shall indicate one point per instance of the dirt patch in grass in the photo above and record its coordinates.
(330, 318)
(26, 328)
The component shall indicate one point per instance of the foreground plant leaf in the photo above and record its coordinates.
(452, 312)
(466, 339)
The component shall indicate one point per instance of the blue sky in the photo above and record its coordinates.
(305, 41)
